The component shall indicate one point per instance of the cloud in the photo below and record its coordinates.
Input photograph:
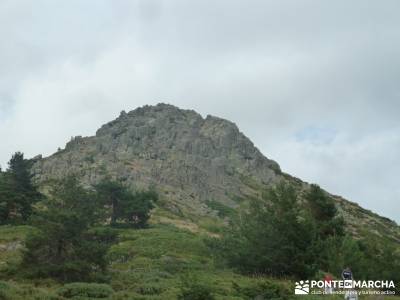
(313, 84)
(360, 169)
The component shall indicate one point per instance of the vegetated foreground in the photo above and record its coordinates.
(145, 264)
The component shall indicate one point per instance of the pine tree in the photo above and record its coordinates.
(65, 244)
(137, 206)
(273, 237)
(5, 198)
(126, 206)
(17, 193)
(324, 212)
(112, 194)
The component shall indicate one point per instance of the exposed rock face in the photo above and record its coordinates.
(189, 158)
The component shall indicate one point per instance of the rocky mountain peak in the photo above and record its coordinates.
(189, 158)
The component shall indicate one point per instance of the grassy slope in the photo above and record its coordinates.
(146, 264)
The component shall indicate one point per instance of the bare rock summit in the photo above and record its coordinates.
(188, 158)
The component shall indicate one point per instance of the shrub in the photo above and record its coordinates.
(150, 289)
(222, 209)
(82, 289)
(12, 291)
(4, 291)
(192, 289)
(263, 290)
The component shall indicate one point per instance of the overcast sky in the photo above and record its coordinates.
(314, 84)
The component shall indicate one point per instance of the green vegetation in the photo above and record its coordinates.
(273, 237)
(64, 244)
(131, 208)
(82, 289)
(192, 289)
(96, 243)
(280, 237)
(324, 213)
(13, 291)
(152, 264)
(17, 193)
(266, 289)
(222, 209)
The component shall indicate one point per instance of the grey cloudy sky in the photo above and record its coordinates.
(315, 84)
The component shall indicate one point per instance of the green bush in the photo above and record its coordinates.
(264, 290)
(150, 289)
(173, 265)
(222, 209)
(4, 291)
(82, 289)
(13, 291)
(192, 289)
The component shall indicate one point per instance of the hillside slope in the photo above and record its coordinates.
(192, 161)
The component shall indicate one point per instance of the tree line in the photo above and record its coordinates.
(302, 235)
(287, 233)
(73, 226)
